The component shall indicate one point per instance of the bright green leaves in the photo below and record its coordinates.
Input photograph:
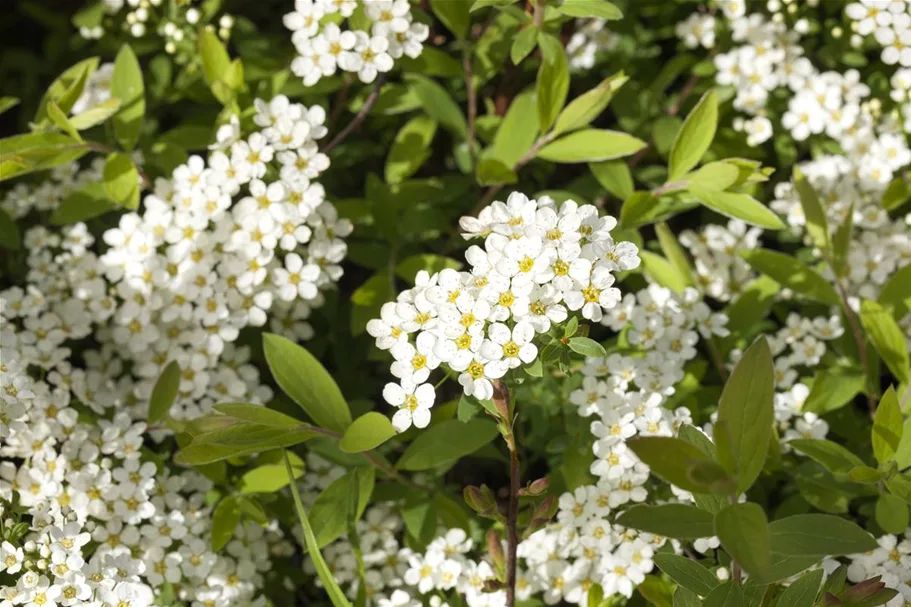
(745, 415)
(58, 117)
(410, 149)
(85, 203)
(307, 382)
(225, 519)
(67, 88)
(553, 80)
(121, 181)
(832, 456)
(689, 574)
(224, 77)
(8, 103)
(818, 535)
(438, 104)
(891, 513)
(445, 442)
(523, 44)
(591, 145)
(744, 533)
(95, 114)
(322, 569)
(128, 88)
(802, 593)
(366, 432)
(586, 346)
(737, 206)
(21, 154)
(791, 273)
(681, 463)
(887, 338)
(887, 427)
(516, 134)
(817, 224)
(600, 9)
(340, 503)
(164, 392)
(694, 137)
(680, 521)
(270, 477)
(240, 438)
(454, 14)
(582, 110)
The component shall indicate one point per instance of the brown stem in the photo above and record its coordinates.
(472, 100)
(494, 189)
(339, 104)
(512, 534)
(538, 19)
(359, 117)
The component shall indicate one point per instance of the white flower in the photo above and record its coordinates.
(414, 403)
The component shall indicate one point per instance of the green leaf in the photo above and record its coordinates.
(900, 486)
(695, 136)
(307, 382)
(258, 414)
(600, 9)
(832, 456)
(891, 513)
(591, 145)
(410, 149)
(552, 84)
(516, 134)
(239, 439)
(224, 521)
(523, 44)
(887, 338)
(127, 86)
(9, 232)
(746, 411)
(479, 4)
(121, 181)
(614, 176)
(744, 534)
(716, 175)
(216, 62)
(896, 194)
(754, 302)
(865, 475)
(96, 114)
(662, 272)
(896, 292)
(438, 104)
(675, 254)
(656, 591)
(330, 510)
(586, 347)
(841, 242)
(61, 121)
(686, 572)
(833, 388)
(902, 455)
(686, 598)
(8, 103)
(818, 535)
(680, 521)
(817, 224)
(446, 441)
(887, 427)
(802, 593)
(674, 460)
(792, 274)
(164, 392)
(366, 432)
(269, 478)
(454, 15)
(22, 154)
(727, 594)
(585, 108)
(322, 570)
(368, 300)
(67, 88)
(491, 171)
(737, 206)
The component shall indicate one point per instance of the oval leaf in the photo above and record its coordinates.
(367, 432)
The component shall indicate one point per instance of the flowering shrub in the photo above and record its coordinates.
(456, 303)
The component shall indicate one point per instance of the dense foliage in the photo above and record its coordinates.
(455, 303)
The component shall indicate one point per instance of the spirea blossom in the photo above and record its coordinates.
(326, 46)
(538, 264)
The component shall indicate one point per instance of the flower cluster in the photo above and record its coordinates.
(889, 23)
(379, 32)
(719, 270)
(177, 24)
(891, 560)
(538, 263)
(105, 524)
(590, 37)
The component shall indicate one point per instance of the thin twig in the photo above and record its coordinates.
(538, 19)
(512, 534)
(494, 189)
(872, 392)
(472, 99)
(359, 117)
(339, 104)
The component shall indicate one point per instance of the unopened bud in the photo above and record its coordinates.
(535, 488)
(495, 551)
(501, 398)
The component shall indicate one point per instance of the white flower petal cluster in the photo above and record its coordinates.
(888, 23)
(590, 37)
(107, 524)
(538, 263)
(176, 24)
(891, 560)
(719, 270)
(324, 46)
